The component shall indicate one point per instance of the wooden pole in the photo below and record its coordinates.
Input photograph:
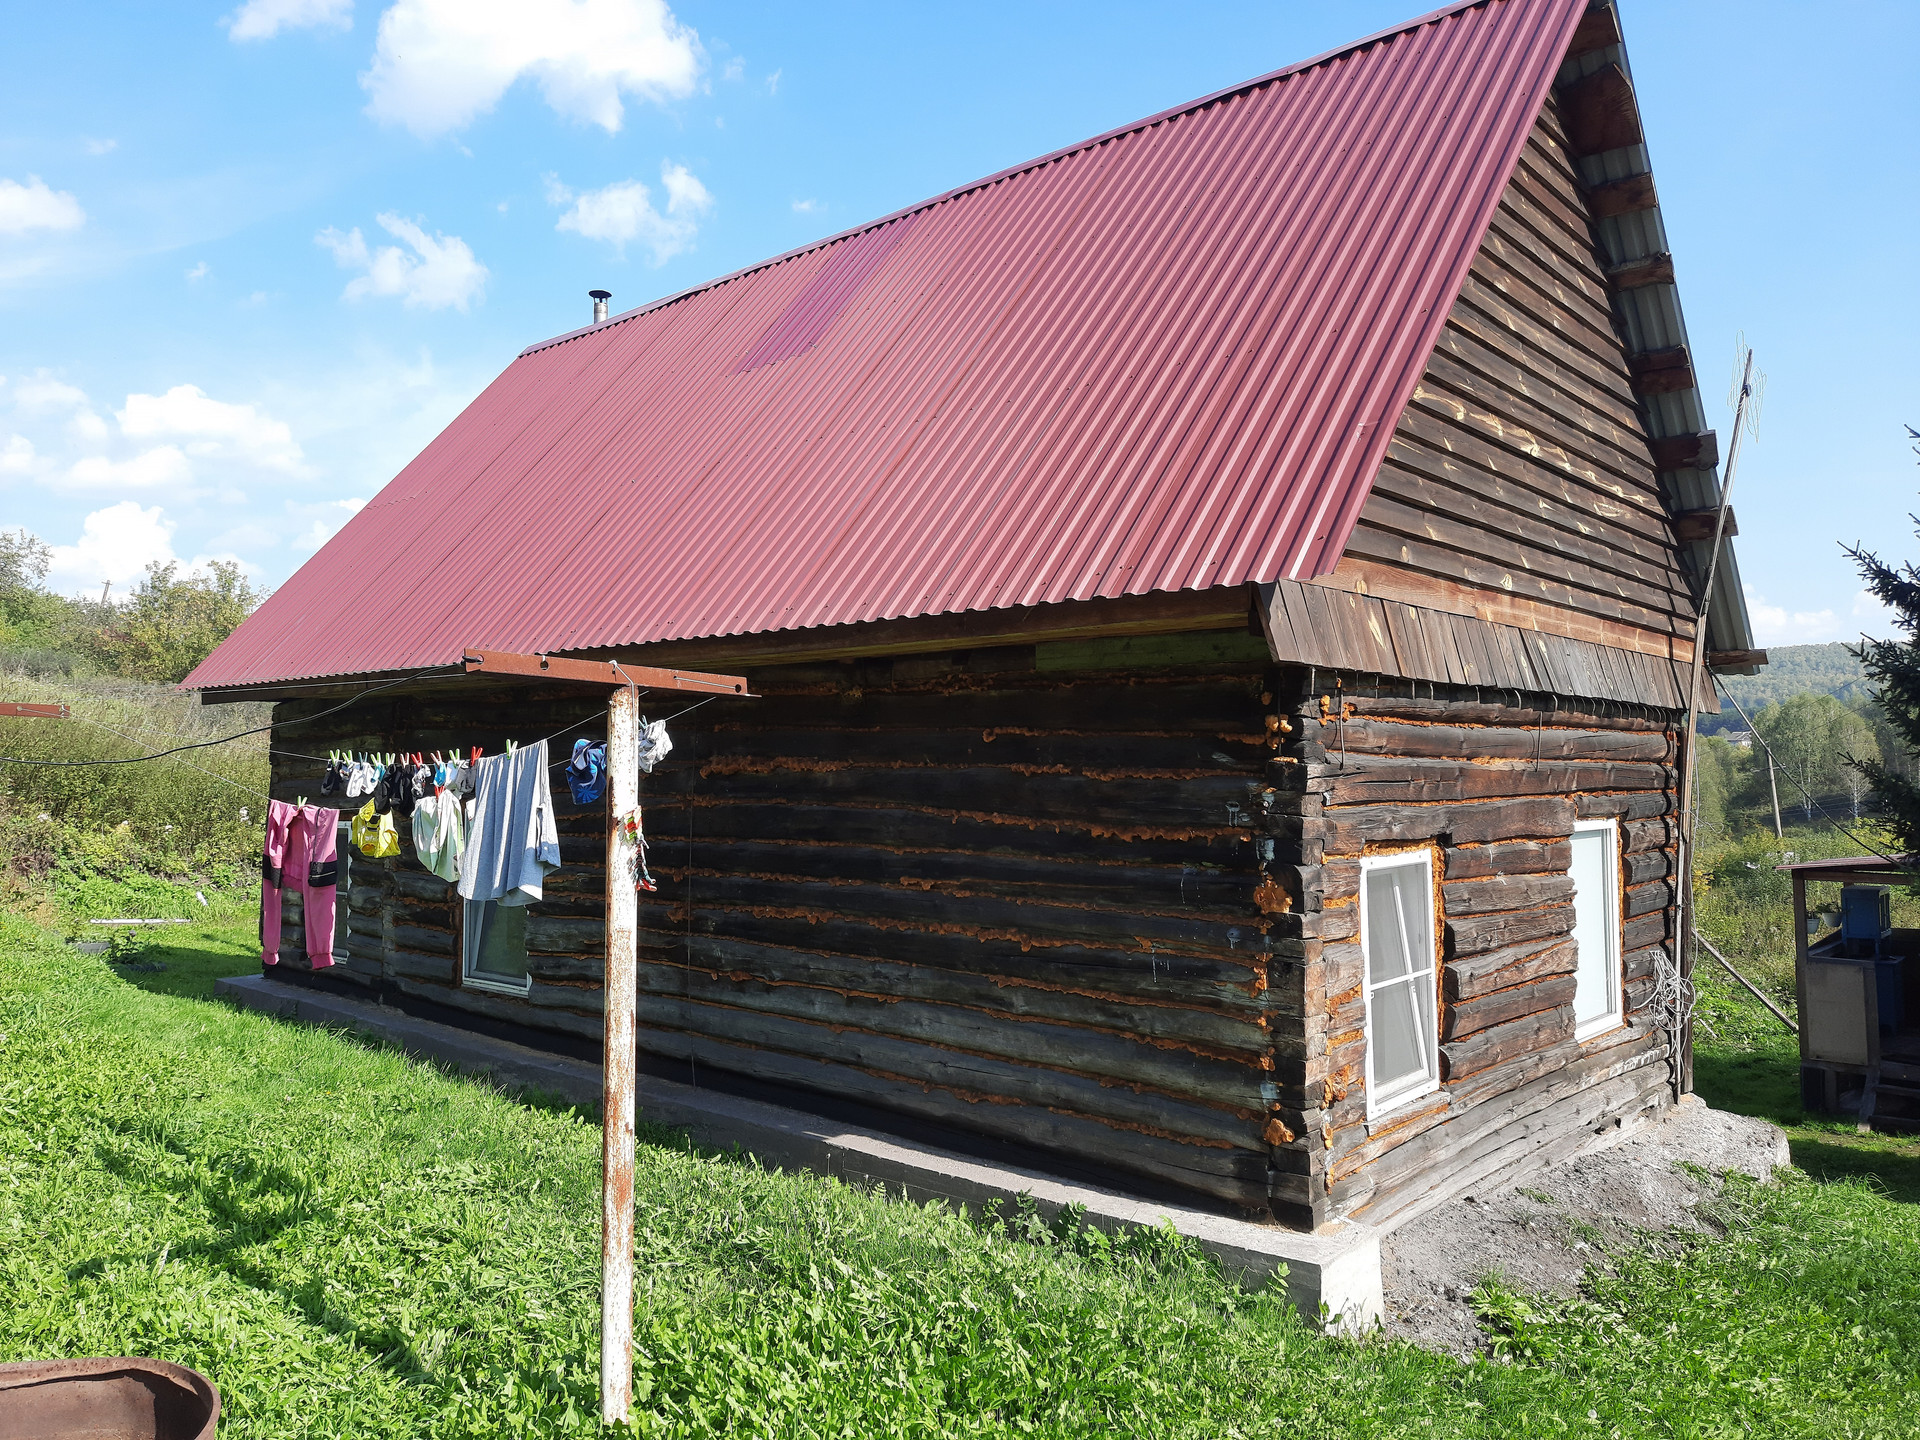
(1773, 788)
(1683, 1042)
(617, 1067)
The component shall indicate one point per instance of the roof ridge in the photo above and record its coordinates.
(1187, 107)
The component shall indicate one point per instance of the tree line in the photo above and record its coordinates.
(164, 627)
(1807, 754)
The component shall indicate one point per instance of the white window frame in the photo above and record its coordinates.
(480, 980)
(1378, 1104)
(1615, 1017)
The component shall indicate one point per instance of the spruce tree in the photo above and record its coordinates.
(1894, 668)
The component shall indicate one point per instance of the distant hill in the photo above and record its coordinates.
(1791, 670)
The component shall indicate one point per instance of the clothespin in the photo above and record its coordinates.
(510, 747)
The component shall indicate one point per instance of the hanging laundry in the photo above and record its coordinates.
(587, 772)
(300, 849)
(655, 745)
(335, 778)
(372, 833)
(439, 833)
(360, 779)
(512, 842)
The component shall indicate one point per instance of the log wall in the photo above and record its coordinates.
(1093, 897)
(1493, 791)
(1520, 484)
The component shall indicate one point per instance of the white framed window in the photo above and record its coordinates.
(1397, 946)
(493, 946)
(1596, 927)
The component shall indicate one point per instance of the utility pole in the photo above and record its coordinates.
(1772, 786)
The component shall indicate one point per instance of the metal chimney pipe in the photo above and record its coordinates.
(600, 298)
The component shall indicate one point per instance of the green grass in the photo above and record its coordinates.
(354, 1245)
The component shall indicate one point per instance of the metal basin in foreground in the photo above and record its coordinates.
(119, 1399)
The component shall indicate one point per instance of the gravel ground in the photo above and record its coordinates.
(1541, 1231)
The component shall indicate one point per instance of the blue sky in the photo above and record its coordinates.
(253, 257)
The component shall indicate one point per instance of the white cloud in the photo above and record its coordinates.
(212, 427)
(87, 426)
(43, 393)
(440, 272)
(1874, 618)
(101, 147)
(115, 544)
(150, 469)
(624, 211)
(773, 83)
(440, 63)
(321, 528)
(200, 271)
(736, 67)
(263, 19)
(806, 207)
(33, 206)
(17, 457)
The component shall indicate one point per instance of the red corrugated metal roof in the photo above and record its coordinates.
(1168, 358)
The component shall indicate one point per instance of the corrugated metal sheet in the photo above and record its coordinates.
(1165, 359)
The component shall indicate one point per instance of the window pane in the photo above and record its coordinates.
(1398, 920)
(1596, 915)
(1402, 1024)
(496, 940)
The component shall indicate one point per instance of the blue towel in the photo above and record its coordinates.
(587, 771)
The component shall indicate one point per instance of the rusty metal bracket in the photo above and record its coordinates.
(603, 672)
(19, 709)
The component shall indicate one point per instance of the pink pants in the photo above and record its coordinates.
(300, 856)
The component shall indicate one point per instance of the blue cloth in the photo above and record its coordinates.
(587, 771)
(511, 839)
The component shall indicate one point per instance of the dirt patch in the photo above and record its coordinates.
(1542, 1230)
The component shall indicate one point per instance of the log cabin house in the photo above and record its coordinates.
(1221, 598)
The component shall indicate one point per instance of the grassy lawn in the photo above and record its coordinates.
(353, 1245)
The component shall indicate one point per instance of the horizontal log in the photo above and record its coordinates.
(1471, 976)
(420, 885)
(1515, 1002)
(1507, 857)
(1005, 877)
(1471, 934)
(1381, 736)
(1248, 1029)
(1538, 1030)
(439, 968)
(1599, 111)
(1350, 828)
(1644, 930)
(1029, 923)
(567, 967)
(1723, 660)
(1500, 893)
(990, 1079)
(1648, 898)
(1230, 1175)
(1458, 708)
(421, 937)
(1376, 780)
(565, 935)
(1145, 973)
(1145, 1076)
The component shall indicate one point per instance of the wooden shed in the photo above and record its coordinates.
(1221, 598)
